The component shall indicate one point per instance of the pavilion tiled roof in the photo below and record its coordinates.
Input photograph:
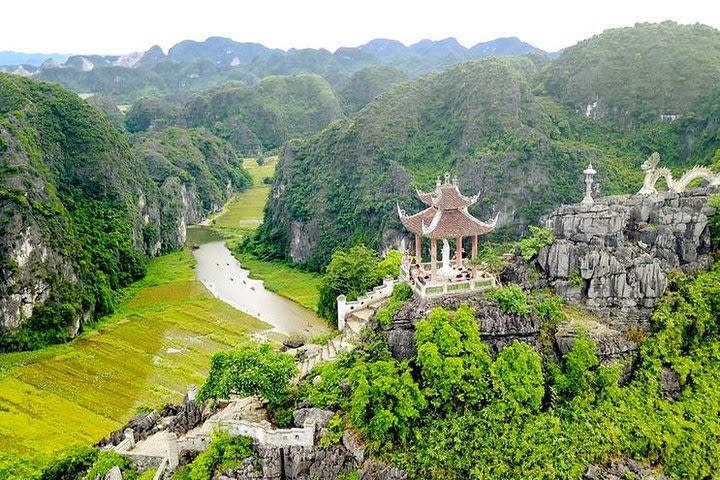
(446, 215)
(446, 197)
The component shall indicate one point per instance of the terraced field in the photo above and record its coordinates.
(158, 343)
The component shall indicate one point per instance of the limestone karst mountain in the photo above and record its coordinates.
(517, 130)
(80, 209)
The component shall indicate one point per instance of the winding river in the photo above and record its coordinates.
(222, 274)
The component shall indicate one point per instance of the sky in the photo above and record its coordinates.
(118, 27)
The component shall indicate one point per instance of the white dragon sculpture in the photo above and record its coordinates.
(653, 174)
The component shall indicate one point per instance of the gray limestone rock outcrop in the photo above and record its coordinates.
(614, 256)
(497, 328)
(306, 463)
(622, 469)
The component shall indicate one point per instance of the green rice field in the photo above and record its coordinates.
(158, 342)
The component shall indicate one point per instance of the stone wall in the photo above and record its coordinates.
(345, 308)
(614, 256)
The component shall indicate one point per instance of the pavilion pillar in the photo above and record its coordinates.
(418, 248)
(458, 251)
(474, 246)
(433, 257)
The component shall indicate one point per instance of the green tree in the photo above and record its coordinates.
(539, 237)
(350, 273)
(518, 380)
(224, 452)
(454, 363)
(512, 300)
(385, 401)
(389, 266)
(249, 370)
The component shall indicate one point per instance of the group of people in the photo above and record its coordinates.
(419, 274)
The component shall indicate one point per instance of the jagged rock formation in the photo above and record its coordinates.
(305, 463)
(623, 469)
(497, 329)
(614, 257)
(280, 455)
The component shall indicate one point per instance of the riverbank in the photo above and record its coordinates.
(146, 354)
(240, 217)
(157, 343)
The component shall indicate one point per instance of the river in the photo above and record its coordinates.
(222, 274)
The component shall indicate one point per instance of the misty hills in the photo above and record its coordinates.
(226, 52)
(195, 66)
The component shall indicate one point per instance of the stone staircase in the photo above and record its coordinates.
(345, 341)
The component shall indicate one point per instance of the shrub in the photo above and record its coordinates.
(512, 300)
(575, 279)
(352, 273)
(335, 429)
(518, 380)
(106, 461)
(539, 238)
(714, 221)
(550, 309)
(454, 363)
(72, 464)
(385, 401)
(224, 452)
(401, 293)
(250, 370)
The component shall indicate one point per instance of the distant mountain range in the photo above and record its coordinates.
(32, 59)
(226, 52)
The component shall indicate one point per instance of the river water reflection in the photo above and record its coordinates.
(221, 273)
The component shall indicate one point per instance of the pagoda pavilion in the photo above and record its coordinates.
(446, 217)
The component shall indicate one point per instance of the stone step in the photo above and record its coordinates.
(355, 326)
(333, 345)
(363, 314)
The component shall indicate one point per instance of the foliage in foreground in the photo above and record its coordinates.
(458, 413)
(590, 418)
(77, 463)
(249, 370)
(401, 294)
(512, 300)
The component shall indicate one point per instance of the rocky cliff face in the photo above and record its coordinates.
(79, 208)
(497, 329)
(614, 257)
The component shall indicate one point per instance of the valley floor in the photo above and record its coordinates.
(158, 342)
(241, 216)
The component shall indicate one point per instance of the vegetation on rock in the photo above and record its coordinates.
(264, 116)
(510, 133)
(352, 273)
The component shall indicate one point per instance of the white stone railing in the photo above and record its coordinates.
(483, 281)
(345, 308)
(280, 437)
(262, 434)
(475, 285)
